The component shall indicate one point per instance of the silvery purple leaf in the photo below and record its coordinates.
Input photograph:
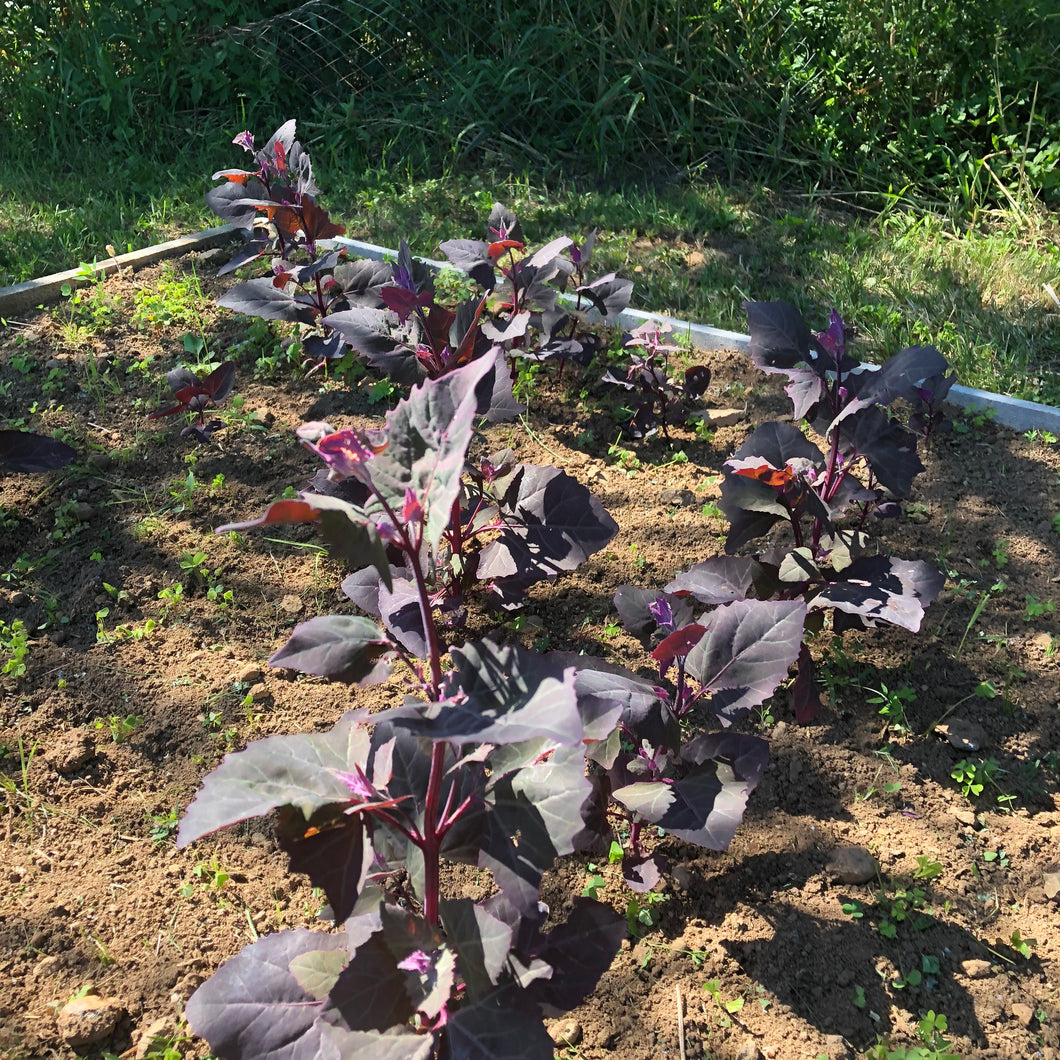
(746, 652)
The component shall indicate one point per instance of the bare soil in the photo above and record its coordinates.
(107, 735)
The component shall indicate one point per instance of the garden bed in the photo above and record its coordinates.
(110, 730)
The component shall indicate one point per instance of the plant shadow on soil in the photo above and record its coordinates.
(96, 893)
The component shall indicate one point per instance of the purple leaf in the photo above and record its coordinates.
(883, 589)
(24, 452)
(556, 525)
(262, 298)
(498, 694)
(299, 770)
(254, 1007)
(746, 652)
(342, 647)
(362, 281)
(533, 816)
(499, 1027)
(579, 950)
(429, 433)
(331, 849)
(482, 943)
(634, 606)
(717, 773)
(717, 580)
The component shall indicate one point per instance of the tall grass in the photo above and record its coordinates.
(958, 101)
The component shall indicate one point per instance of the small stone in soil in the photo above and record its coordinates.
(976, 969)
(569, 1032)
(87, 1020)
(962, 734)
(720, 417)
(852, 865)
(249, 675)
(1051, 881)
(1024, 1013)
(292, 604)
(963, 816)
(681, 498)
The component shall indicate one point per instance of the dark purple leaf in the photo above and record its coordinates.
(341, 647)
(361, 281)
(609, 295)
(532, 818)
(717, 773)
(429, 433)
(641, 874)
(331, 849)
(889, 448)
(255, 1008)
(24, 452)
(472, 257)
(498, 694)
(780, 338)
(251, 252)
(746, 652)
(499, 1027)
(300, 770)
(717, 580)
(262, 298)
(880, 588)
(482, 943)
(556, 524)
(400, 612)
(579, 950)
(805, 695)
(634, 608)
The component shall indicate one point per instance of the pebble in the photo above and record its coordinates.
(680, 498)
(249, 675)
(682, 877)
(852, 865)
(19, 599)
(87, 1020)
(977, 969)
(1024, 1013)
(84, 511)
(963, 816)
(1051, 882)
(566, 1033)
(720, 417)
(292, 604)
(259, 692)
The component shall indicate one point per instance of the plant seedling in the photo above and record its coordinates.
(724, 1009)
(892, 703)
(197, 396)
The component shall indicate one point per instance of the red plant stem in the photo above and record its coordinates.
(431, 842)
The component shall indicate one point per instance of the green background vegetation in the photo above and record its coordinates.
(897, 158)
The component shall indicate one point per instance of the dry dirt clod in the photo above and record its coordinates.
(720, 417)
(250, 674)
(1051, 881)
(87, 1020)
(292, 604)
(70, 751)
(680, 498)
(565, 1033)
(976, 969)
(1024, 1013)
(852, 865)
